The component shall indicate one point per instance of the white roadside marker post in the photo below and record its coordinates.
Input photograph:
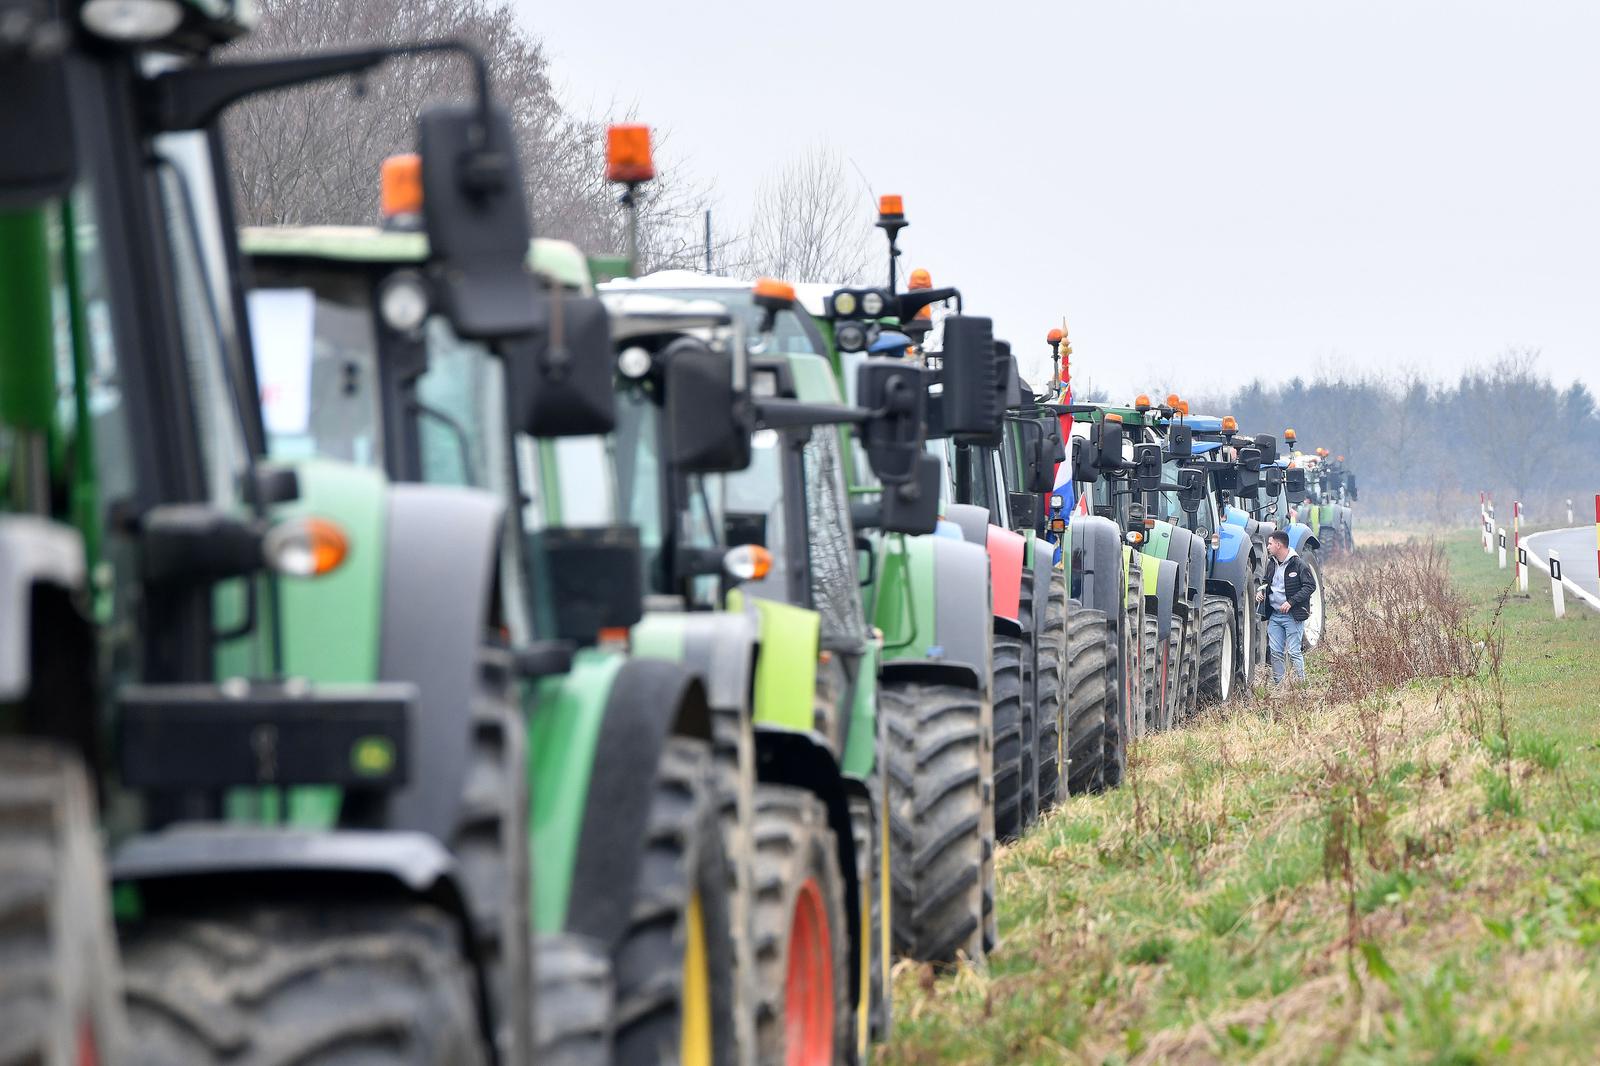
(1558, 592)
(1569, 510)
(1502, 536)
(1516, 546)
(1522, 569)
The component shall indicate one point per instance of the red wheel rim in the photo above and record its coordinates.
(808, 993)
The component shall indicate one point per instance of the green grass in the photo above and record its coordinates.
(1415, 877)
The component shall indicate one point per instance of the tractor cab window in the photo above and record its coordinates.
(754, 512)
(1168, 506)
(792, 332)
(316, 364)
(183, 163)
(834, 589)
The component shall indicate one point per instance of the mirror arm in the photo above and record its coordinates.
(786, 414)
(190, 98)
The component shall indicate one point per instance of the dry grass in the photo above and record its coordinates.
(1393, 862)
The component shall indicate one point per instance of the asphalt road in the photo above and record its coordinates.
(1577, 550)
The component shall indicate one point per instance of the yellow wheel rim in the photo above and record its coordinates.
(695, 1042)
(864, 1001)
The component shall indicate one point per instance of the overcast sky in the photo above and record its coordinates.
(1268, 186)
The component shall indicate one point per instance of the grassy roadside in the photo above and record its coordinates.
(1410, 875)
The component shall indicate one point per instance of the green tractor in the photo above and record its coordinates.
(945, 616)
(316, 764)
(636, 888)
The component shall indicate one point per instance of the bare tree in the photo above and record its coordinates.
(812, 222)
(311, 154)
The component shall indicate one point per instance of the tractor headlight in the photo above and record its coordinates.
(844, 304)
(851, 337)
(872, 304)
(131, 21)
(403, 302)
(633, 362)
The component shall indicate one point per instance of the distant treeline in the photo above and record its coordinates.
(1424, 449)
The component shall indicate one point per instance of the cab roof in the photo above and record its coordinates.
(559, 261)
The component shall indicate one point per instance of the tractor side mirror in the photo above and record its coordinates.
(971, 401)
(896, 392)
(706, 429)
(1180, 441)
(1191, 489)
(38, 160)
(1110, 442)
(913, 507)
(560, 378)
(1027, 510)
(1268, 445)
(1147, 467)
(1274, 479)
(1295, 484)
(1047, 453)
(1085, 452)
(1250, 458)
(1011, 374)
(476, 214)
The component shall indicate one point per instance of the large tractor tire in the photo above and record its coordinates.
(1311, 633)
(1009, 702)
(804, 1013)
(674, 967)
(733, 773)
(1116, 735)
(1217, 655)
(1151, 655)
(575, 1003)
(1050, 682)
(1028, 778)
(60, 1000)
(1090, 679)
(1189, 669)
(1172, 676)
(941, 865)
(374, 984)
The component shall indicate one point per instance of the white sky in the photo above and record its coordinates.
(1373, 184)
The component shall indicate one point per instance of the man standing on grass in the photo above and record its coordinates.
(1285, 599)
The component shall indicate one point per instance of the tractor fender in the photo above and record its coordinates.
(719, 647)
(1166, 594)
(1042, 565)
(937, 616)
(802, 760)
(435, 607)
(973, 522)
(1232, 573)
(1183, 550)
(33, 551)
(1235, 516)
(1300, 534)
(1097, 564)
(648, 701)
(1005, 568)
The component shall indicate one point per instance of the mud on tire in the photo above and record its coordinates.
(1089, 683)
(683, 861)
(281, 984)
(796, 866)
(1050, 684)
(940, 863)
(58, 955)
(1008, 735)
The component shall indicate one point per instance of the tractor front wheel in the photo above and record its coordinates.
(1217, 657)
(942, 859)
(1050, 684)
(1009, 735)
(804, 1014)
(1090, 683)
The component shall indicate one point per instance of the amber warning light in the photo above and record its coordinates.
(400, 185)
(628, 154)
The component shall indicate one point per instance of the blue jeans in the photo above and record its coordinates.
(1283, 635)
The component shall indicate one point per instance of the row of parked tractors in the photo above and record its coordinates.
(424, 643)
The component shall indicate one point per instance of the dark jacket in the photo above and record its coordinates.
(1298, 584)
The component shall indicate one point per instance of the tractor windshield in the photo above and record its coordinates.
(789, 333)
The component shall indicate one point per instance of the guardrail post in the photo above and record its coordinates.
(1520, 561)
(1558, 592)
(1502, 537)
